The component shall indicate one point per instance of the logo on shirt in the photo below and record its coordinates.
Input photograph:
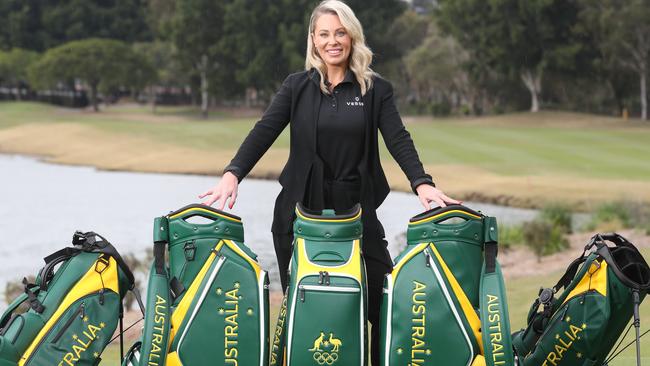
(356, 102)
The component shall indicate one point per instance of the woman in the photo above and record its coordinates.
(336, 108)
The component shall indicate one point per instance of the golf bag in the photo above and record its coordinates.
(445, 301)
(323, 320)
(579, 320)
(209, 305)
(75, 304)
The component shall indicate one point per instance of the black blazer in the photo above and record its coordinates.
(298, 101)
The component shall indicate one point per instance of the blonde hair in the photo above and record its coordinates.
(360, 55)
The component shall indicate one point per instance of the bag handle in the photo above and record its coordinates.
(440, 214)
(205, 211)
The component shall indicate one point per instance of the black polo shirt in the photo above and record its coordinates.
(341, 130)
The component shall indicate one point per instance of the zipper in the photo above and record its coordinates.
(81, 313)
(303, 288)
(40, 343)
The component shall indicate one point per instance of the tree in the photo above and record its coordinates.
(514, 37)
(197, 30)
(101, 64)
(622, 29)
(435, 70)
(42, 24)
(13, 68)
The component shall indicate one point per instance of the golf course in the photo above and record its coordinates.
(524, 160)
(521, 159)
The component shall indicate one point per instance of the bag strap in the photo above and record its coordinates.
(51, 261)
(497, 342)
(159, 297)
(88, 242)
(599, 240)
(32, 290)
(570, 273)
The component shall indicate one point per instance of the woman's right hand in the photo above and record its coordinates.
(222, 191)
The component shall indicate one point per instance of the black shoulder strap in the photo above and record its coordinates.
(491, 243)
(88, 241)
(570, 273)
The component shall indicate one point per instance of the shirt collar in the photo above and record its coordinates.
(348, 78)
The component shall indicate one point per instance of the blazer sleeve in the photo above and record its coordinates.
(399, 142)
(264, 133)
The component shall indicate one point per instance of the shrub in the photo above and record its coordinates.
(559, 216)
(510, 236)
(544, 238)
(618, 215)
(13, 289)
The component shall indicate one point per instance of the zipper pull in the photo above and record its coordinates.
(82, 310)
(426, 258)
(327, 278)
(301, 291)
(320, 277)
(101, 297)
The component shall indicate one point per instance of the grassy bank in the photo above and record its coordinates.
(519, 159)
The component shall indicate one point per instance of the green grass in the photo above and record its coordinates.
(521, 150)
(514, 145)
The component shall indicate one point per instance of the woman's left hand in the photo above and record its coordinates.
(428, 193)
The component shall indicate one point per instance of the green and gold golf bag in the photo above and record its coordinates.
(324, 319)
(74, 304)
(445, 300)
(209, 306)
(579, 326)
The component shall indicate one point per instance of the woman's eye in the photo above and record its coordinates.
(323, 35)
(340, 33)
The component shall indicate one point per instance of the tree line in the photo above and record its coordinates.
(443, 56)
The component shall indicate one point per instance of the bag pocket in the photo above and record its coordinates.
(81, 333)
(327, 323)
(422, 303)
(226, 320)
(574, 333)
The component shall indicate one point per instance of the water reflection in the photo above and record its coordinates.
(42, 204)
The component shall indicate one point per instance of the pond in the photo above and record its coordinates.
(42, 204)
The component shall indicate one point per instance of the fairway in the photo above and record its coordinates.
(519, 159)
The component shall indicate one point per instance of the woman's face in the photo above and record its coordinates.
(332, 41)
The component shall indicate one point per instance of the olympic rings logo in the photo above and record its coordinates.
(325, 358)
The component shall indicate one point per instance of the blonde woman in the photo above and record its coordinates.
(337, 107)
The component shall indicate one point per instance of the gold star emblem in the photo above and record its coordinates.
(428, 352)
(249, 312)
(102, 325)
(236, 284)
(584, 326)
(221, 311)
(95, 354)
(86, 319)
(579, 355)
(399, 351)
(219, 291)
(568, 319)
(75, 337)
(557, 336)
